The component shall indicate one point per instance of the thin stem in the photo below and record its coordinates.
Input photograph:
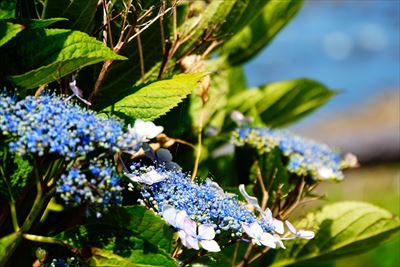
(141, 60)
(176, 250)
(235, 252)
(199, 144)
(184, 143)
(13, 210)
(246, 256)
(46, 239)
(261, 182)
(14, 216)
(44, 9)
(296, 203)
(258, 255)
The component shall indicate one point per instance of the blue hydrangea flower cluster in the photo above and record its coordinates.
(305, 157)
(50, 124)
(98, 185)
(204, 202)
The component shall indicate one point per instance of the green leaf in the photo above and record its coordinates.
(148, 225)
(122, 242)
(155, 99)
(106, 258)
(280, 103)
(80, 13)
(341, 229)
(8, 31)
(7, 9)
(7, 246)
(221, 18)
(35, 23)
(254, 37)
(49, 54)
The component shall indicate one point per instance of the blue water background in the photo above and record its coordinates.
(350, 46)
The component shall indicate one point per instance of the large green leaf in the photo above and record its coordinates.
(255, 36)
(106, 258)
(8, 31)
(221, 18)
(80, 13)
(280, 103)
(341, 229)
(155, 99)
(127, 245)
(46, 55)
(147, 225)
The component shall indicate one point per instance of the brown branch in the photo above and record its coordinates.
(141, 60)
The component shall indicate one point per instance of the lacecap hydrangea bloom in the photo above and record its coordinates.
(54, 125)
(202, 212)
(305, 157)
(50, 124)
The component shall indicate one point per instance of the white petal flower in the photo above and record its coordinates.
(251, 200)
(148, 178)
(291, 228)
(174, 217)
(278, 226)
(205, 236)
(258, 236)
(325, 173)
(305, 234)
(144, 130)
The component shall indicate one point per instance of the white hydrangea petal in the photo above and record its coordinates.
(305, 234)
(180, 219)
(192, 242)
(278, 226)
(291, 227)
(210, 245)
(152, 177)
(278, 242)
(324, 173)
(190, 226)
(182, 236)
(256, 229)
(147, 129)
(251, 200)
(267, 215)
(268, 240)
(206, 232)
(169, 215)
(247, 230)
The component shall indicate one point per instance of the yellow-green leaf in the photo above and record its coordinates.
(46, 55)
(340, 229)
(157, 98)
(8, 31)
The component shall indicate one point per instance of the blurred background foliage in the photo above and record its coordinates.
(339, 45)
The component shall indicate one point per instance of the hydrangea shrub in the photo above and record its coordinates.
(117, 120)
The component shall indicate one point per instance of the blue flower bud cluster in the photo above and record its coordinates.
(305, 157)
(204, 202)
(50, 124)
(98, 185)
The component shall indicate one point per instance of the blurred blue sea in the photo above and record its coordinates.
(349, 45)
